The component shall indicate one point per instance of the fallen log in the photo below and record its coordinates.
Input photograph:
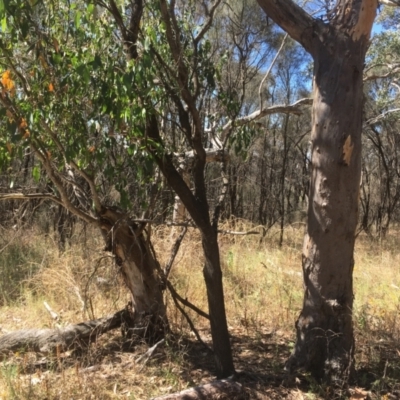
(62, 339)
(225, 389)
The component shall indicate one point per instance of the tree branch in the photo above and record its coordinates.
(210, 14)
(31, 196)
(300, 25)
(392, 3)
(289, 109)
(374, 120)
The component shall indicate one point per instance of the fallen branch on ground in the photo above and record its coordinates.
(149, 353)
(70, 337)
(224, 389)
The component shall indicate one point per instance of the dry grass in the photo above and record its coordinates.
(263, 290)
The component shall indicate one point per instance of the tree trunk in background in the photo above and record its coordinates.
(325, 339)
(139, 270)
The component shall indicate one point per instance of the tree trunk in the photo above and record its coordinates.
(325, 340)
(197, 206)
(216, 304)
(139, 270)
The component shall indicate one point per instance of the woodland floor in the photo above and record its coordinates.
(108, 370)
(263, 296)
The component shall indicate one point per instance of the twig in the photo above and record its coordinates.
(185, 302)
(53, 314)
(149, 353)
(174, 252)
(238, 233)
(189, 321)
(172, 290)
(269, 71)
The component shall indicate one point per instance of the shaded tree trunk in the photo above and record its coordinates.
(325, 339)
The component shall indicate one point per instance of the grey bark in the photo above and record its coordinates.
(70, 337)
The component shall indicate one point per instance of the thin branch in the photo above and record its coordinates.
(210, 14)
(149, 353)
(374, 120)
(269, 70)
(394, 70)
(31, 196)
(189, 321)
(238, 233)
(174, 252)
(66, 202)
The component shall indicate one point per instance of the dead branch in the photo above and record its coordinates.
(30, 196)
(294, 108)
(52, 313)
(70, 337)
(149, 353)
(174, 252)
(269, 71)
(238, 233)
(190, 322)
(223, 389)
(374, 120)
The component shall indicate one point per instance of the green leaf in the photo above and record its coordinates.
(78, 16)
(36, 173)
(4, 24)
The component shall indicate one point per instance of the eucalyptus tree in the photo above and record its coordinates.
(337, 40)
(66, 103)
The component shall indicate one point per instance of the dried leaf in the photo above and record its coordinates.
(7, 82)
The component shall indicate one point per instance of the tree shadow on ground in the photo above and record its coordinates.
(259, 360)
